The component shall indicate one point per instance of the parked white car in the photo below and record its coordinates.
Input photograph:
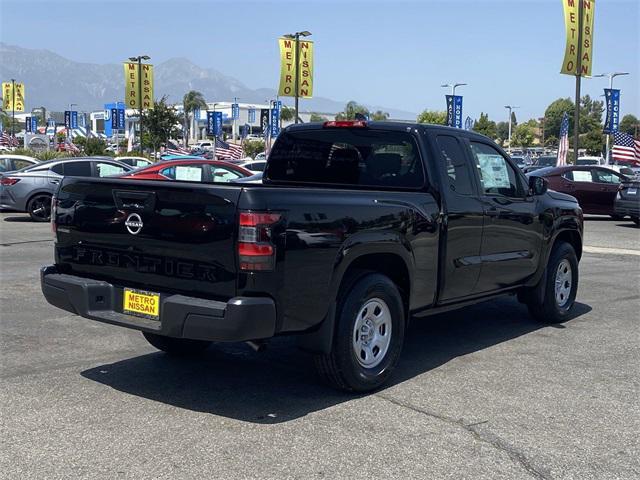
(255, 166)
(10, 163)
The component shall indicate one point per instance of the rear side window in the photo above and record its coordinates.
(20, 164)
(605, 176)
(77, 169)
(347, 156)
(192, 173)
(108, 169)
(455, 164)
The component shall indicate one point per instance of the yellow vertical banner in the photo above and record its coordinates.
(288, 68)
(132, 89)
(131, 85)
(570, 61)
(18, 105)
(147, 86)
(7, 96)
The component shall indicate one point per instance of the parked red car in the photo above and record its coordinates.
(195, 170)
(594, 187)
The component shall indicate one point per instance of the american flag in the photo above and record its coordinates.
(71, 147)
(228, 151)
(8, 140)
(563, 147)
(625, 148)
(174, 149)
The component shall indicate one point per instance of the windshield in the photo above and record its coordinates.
(547, 161)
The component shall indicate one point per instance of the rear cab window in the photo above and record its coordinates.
(360, 157)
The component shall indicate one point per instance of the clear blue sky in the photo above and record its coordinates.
(387, 53)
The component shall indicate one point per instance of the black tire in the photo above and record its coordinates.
(340, 368)
(617, 217)
(39, 207)
(179, 347)
(542, 302)
(636, 220)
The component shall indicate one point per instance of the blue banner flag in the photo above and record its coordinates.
(457, 111)
(449, 109)
(235, 111)
(67, 119)
(612, 120)
(217, 124)
(210, 123)
(114, 119)
(74, 119)
(274, 124)
(468, 123)
(252, 115)
(27, 124)
(34, 124)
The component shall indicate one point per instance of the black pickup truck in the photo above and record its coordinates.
(356, 228)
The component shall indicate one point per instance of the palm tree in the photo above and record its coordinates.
(379, 115)
(287, 113)
(191, 101)
(351, 109)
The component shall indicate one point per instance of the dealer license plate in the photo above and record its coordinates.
(141, 303)
(632, 191)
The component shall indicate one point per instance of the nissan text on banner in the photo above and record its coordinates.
(569, 64)
(131, 86)
(288, 71)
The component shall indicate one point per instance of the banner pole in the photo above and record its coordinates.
(576, 114)
(13, 106)
(297, 67)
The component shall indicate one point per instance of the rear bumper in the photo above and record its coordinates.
(627, 207)
(239, 319)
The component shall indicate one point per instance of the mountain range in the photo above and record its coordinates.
(53, 81)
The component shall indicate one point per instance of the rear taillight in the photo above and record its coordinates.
(54, 208)
(8, 181)
(256, 250)
(345, 124)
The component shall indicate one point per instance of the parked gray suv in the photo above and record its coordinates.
(30, 189)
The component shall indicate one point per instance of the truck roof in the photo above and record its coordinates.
(395, 126)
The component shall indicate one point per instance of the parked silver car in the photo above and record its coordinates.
(30, 189)
(10, 162)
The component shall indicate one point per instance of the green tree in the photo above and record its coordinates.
(94, 146)
(160, 124)
(523, 135)
(502, 132)
(253, 147)
(191, 101)
(485, 126)
(629, 123)
(435, 117)
(287, 114)
(316, 117)
(553, 116)
(593, 141)
(7, 121)
(351, 109)
(379, 115)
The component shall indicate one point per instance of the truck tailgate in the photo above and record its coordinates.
(153, 235)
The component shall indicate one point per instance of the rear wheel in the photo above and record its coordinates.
(176, 346)
(552, 300)
(39, 207)
(369, 334)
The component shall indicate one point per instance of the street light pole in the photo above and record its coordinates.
(71, 105)
(215, 137)
(296, 60)
(611, 76)
(510, 108)
(139, 60)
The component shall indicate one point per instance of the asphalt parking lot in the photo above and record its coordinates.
(483, 392)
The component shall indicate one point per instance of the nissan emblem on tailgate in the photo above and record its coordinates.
(134, 224)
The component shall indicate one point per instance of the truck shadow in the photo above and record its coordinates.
(280, 384)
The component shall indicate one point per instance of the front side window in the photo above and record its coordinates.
(497, 176)
(224, 175)
(457, 168)
(605, 176)
(19, 164)
(108, 169)
(347, 156)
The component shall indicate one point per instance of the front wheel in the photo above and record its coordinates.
(559, 287)
(369, 334)
(39, 207)
(176, 346)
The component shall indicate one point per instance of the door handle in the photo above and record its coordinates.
(55, 181)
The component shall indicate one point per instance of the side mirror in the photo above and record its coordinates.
(538, 185)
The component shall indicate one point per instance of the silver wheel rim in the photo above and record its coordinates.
(563, 282)
(372, 333)
(41, 206)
